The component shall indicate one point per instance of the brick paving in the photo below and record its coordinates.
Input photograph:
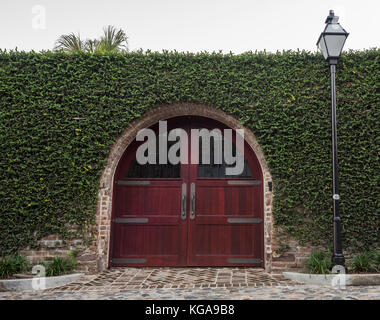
(191, 283)
(153, 278)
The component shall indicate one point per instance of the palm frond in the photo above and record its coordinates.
(69, 42)
(113, 39)
(92, 45)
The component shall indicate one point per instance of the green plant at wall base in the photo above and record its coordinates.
(59, 266)
(365, 262)
(376, 259)
(6, 268)
(319, 262)
(11, 265)
(20, 263)
(60, 114)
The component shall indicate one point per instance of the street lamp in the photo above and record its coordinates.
(331, 42)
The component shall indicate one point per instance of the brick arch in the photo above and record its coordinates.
(101, 242)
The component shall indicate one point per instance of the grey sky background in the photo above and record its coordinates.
(193, 25)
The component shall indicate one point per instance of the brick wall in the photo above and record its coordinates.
(52, 246)
(292, 259)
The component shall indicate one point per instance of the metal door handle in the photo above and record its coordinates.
(192, 202)
(183, 202)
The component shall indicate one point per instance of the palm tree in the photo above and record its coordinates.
(70, 43)
(113, 40)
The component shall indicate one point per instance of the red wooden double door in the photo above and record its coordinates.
(187, 214)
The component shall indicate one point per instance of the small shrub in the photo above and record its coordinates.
(6, 268)
(376, 259)
(20, 263)
(11, 265)
(319, 262)
(59, 266)
(364, 262)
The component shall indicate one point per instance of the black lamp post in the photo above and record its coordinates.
(331, 42)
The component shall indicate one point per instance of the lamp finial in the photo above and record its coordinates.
(331, 17)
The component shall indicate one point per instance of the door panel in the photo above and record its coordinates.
(227, 224)
(227, 227)
(223, 240)
(219, 199)
(148, 200)
(147, 227)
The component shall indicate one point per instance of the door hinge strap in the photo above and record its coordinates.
(244, 220)
(244, 182)
(132, 182)
(131, 220)
(244, 260)
(129, 261)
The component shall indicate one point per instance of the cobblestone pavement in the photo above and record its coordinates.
(191, 283)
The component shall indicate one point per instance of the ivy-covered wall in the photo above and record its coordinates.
(61, 113)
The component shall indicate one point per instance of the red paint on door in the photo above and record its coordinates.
(224, 215)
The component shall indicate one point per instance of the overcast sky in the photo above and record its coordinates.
(192, 25)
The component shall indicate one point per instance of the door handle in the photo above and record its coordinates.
(192, 201)
(183, 202)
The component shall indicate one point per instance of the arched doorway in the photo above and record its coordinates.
(188, 214)
(100, 250)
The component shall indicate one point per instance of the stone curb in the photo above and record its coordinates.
(27, 284)
(333, 279)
